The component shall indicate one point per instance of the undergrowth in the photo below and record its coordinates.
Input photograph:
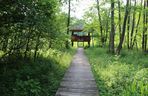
(39, 78)
(124, 75)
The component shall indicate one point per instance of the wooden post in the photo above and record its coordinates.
(83, 43)
(71, 38)
(89, 37)
(72, 43)
(83, 39)
(92, 39)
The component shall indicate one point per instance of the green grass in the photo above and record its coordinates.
(40, 78)
(124, 75)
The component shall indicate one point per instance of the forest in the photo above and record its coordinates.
(36, 51)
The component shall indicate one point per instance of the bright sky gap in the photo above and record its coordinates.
(78, 8)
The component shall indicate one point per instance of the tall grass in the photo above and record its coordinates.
(124, 75)
(40, 78)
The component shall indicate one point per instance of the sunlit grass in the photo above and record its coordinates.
(124, 75)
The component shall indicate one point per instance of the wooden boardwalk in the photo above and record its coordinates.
(78, 80)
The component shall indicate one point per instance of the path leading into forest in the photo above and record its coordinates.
(78, 80)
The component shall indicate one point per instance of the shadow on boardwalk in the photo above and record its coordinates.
(78, 80)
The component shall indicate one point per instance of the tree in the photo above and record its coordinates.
(100, 21)
(137, 27)
(119, 14)
(27, 25)
(123, 28)
(128, 26)
(68, 19)
(133, 26)
(145, 24)
(112, 32)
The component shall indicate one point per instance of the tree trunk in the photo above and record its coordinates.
(27, 43)
(68, 21)
(37, 45)
(137, 25)
(146, 28)
(128, 27)
(145, 22)
(133, 26)
(27, 47)
(128, 31)
(112, 33)
(124, 28)
(101, 27)
(107, 26)
(119, 14)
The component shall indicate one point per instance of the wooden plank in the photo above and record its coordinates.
(78, 80)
